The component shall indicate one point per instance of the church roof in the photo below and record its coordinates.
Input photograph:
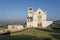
(40, 10)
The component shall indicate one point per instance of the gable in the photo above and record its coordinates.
(39, 11)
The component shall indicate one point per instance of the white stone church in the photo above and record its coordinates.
(37, 19)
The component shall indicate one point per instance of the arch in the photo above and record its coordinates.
(39, 24)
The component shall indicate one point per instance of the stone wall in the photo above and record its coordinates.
(3, 30)
(15, 27)
(47, 23)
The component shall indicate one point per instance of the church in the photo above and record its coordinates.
(37, 19)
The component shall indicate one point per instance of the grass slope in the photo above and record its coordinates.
(34, 34)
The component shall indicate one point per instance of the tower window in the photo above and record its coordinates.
(30, 8)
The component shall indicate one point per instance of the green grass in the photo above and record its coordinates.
(34, 34)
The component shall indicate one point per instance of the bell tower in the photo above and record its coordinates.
(30, 16)
(30, 12)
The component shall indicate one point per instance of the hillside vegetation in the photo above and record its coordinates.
(33, 34)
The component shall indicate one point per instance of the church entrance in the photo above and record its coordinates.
(39, 24)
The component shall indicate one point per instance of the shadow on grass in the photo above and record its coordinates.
(56, 36)
(19, 31)
(6, 33)
(53, 30)
(55, 33)
(56, 30)
(7, 36)
(24, 37)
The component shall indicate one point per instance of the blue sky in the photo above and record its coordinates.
(17, 9)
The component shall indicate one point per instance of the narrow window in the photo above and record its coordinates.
(39, 12)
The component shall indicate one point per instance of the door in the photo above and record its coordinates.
(39, 24)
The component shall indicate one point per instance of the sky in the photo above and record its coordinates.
(17, 10)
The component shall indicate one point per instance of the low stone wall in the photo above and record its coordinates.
(13, 28)
(3, 30)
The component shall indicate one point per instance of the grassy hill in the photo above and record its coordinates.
(33, 34)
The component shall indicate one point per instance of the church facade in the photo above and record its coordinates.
(37, 19)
